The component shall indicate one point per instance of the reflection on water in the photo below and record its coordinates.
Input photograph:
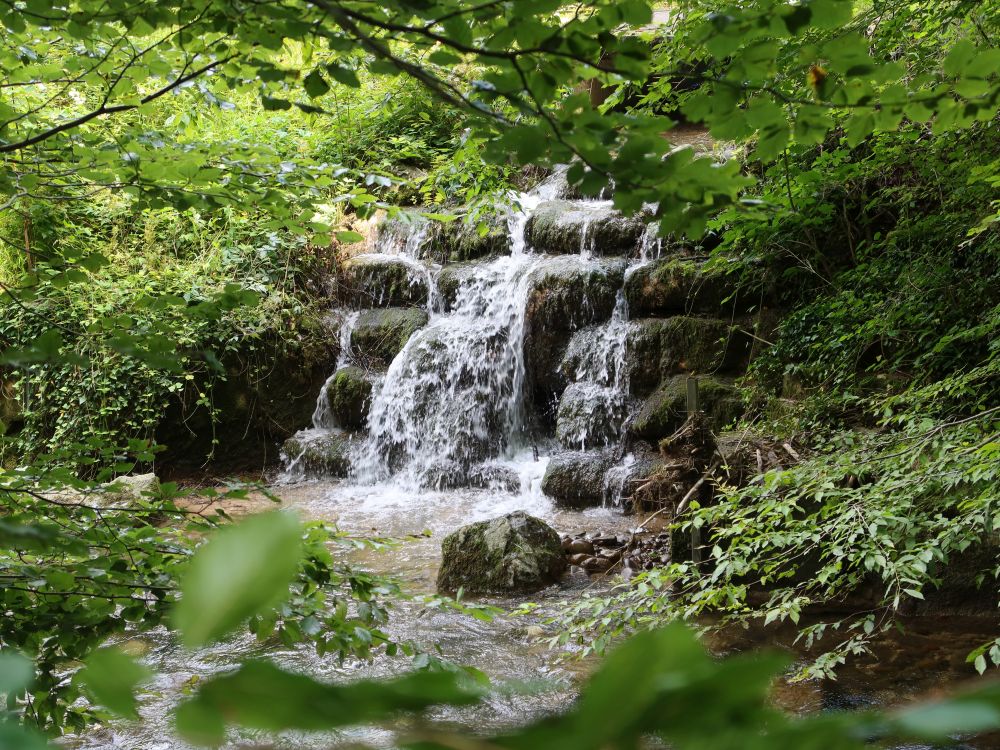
(928, 655)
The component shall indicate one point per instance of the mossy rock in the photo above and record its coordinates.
(318, 453)
(564, 227)
(566, 294)
(460, 241)
(664, 411)
(379, 335)
(514, 554)
(678, 287)
(589, 416)
(349, 394)
(450, 279)
(577, 479)
(661, 347)
(373, 281)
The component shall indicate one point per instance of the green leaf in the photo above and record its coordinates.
(263, 696)
(349, 237)
(315, 85)
(16, 672)
(111, 677)
(243, 570)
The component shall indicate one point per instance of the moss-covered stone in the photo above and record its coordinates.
(563, 227)
(318, 453)
(450, 279)
(379, 335)
(367, 281)
(461, 240)
(677, 287)
(661, 347)
(664, 411)
(348, 395)
(589, 415)
(514, 554)
(566, 294)
(577, 479)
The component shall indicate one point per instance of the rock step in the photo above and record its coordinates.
(379, 335)
(374, 281)
(666, 409)
(318, 453)
(580, 479)
(675, 286)
(348, 396)
(567, 227)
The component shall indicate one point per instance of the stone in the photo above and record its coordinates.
(661, 347)
(318, 453)
(514, 554)
(565, 227)
(416, 236)
(348, 396)
(680, 287)
(577, 479)
(589, 416)
(133, 488)
(566, 294)
(666, 410)
(450, 279)
(577, 546)
(379, 335)
(373, 281)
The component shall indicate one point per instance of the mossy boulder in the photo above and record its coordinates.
(514, 554)
(566, 294)
(372, 281)
(348, 396)
(678, 287)
(450, 279)
(577, 479)
(463, 240)
(661, 347)
(589, 415)
(318, 453)
(565, 227)
(379, 335)
(666, 409)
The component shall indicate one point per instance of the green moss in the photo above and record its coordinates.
(367, 281)
(678, 286)
(663, 412)
(349, 396)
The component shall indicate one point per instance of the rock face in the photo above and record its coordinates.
(577, 479)
(348, 395)
(678, 287)
(589, 416)
(379, 335)
(513, 554)
(663, 412)
(661, 347)
(318, 453)
(368, 281)
(561, 227)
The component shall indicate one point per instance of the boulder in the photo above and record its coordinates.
(564, 227)
(445, 475)
(577, 479)
(678, 287)
(450, 279)
(661, 347)
(566, 294)
(379, 335)
(410, 233)
(513, 554)
(368, 281)
(348, 395)
(318, 453)
(134, 488)
(666, 410)
(589, 415)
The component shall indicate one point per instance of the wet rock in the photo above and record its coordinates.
(664, 411)
(578, 546)
(453, 474)
(589, 415)
(566, 294)
(577, 479)
(678, 287)
(372, 281)
(451, 278)
(134, 488)
(318, 453)
(513, 554)
(349, 394)
(379, 335)
(462, 240)
(661, 347)
(564, 227)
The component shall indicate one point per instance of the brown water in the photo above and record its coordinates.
(928, 655)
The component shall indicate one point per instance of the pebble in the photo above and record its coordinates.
(579, 545)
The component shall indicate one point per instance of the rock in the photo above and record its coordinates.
(577, 546)
(589, 416)
(445, 475)
(679, 287)
(564, 227)
(368, 281)
(413, 234)
(11, 414)
(379, 335)
(513, 554)
(661, 347)
(566, 294)
(311, 453)
(134, 488)
(577, 479)
(450, 279)
(460, 240)
(663, 412)
(348, 396)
